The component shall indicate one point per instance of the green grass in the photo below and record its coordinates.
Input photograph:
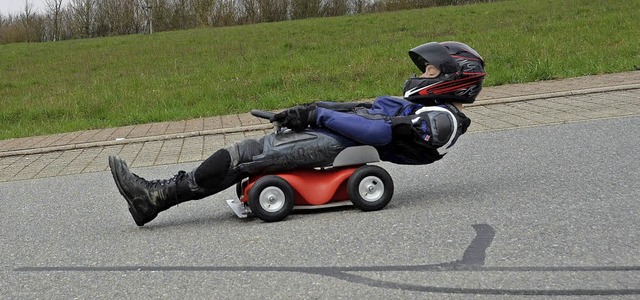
(94, 83)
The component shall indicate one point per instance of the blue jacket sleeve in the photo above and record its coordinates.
(368, 131)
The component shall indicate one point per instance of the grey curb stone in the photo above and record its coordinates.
(135, 140)
(268, 126)
(556, 94)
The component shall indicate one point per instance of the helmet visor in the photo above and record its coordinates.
(433, 54)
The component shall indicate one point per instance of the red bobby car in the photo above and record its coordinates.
(272, 197)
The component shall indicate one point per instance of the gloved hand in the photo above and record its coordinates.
(297, 118)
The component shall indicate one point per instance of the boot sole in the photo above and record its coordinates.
(132, 208)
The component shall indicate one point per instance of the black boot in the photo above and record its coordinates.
(147, 198)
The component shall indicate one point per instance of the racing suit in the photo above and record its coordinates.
(403, 132)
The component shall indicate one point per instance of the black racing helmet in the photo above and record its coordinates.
(461, 73)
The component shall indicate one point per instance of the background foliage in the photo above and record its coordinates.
(103, 82)
(95, 18)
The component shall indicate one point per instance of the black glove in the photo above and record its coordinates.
(297, 118)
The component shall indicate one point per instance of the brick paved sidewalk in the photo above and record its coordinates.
(245, 122)
(502, 107)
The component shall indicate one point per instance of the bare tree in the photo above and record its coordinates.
(202, 10)
(82, 14)
(360, 6)
(301, 9)
(27, 19)
(225, 13)
(117, 17)
(182, 16)
(161, 14)
(249, 11)
(146, 15)
(90, 18)
(273, 10)
(332, 8)
(54, 10)
(12, 30)
(4, 26)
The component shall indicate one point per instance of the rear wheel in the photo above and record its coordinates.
(370, 188)
(271, 198)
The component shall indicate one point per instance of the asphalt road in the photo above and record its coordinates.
(538, 211)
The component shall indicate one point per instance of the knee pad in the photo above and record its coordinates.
(212, 171)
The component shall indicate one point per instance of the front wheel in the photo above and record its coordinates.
(370, 188)
(271, 198)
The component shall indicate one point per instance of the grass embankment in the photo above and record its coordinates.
(94, 83)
